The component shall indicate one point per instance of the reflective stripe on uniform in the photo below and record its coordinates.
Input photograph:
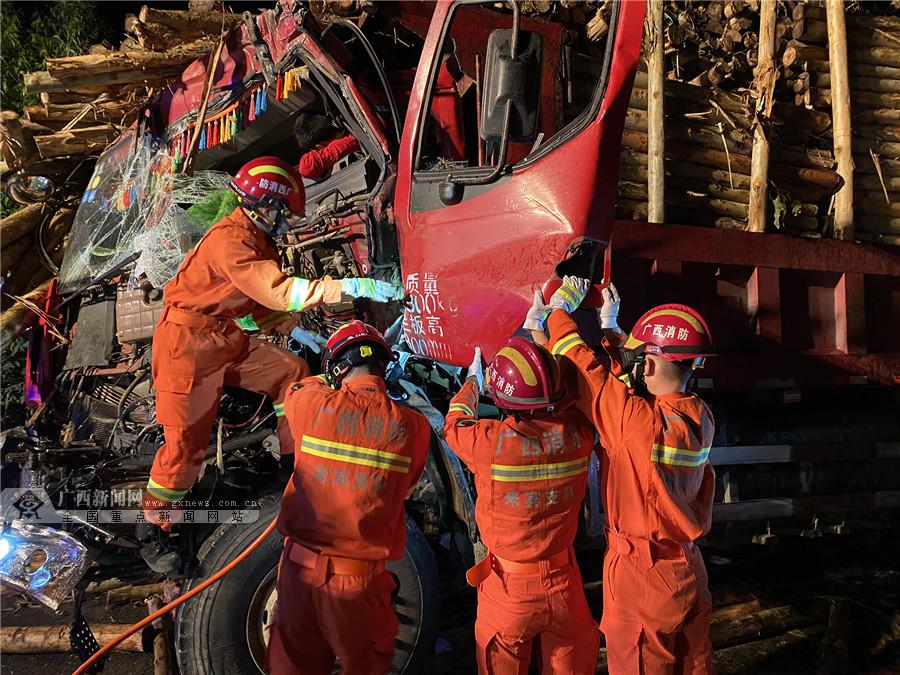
(299, 290)
(164, 493)
(463, 408)
(565, 344)
(279, 409)
(354, 454)
(515, 473)
(664, 454)
(569, 293)
(247, 323)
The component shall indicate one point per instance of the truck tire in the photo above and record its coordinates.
(223, 630)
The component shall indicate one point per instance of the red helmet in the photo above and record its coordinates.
(270, 177)
(672, 332)
(353, 344)
(524, 376)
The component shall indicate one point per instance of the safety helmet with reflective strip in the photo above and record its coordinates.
(353, 344)
(673, 332)
(524, 376)
(270, 181)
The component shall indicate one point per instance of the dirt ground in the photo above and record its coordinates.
(822, 606)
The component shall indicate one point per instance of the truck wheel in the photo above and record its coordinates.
(225, 629)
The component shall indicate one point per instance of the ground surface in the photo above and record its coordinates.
(821, 606)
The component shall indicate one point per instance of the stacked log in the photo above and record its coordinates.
(85, 103)
(873, 58)
(709, 139)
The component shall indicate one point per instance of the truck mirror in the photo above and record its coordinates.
(29, 189)
(512, 75)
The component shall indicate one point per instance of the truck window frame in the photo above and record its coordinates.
(561, 137)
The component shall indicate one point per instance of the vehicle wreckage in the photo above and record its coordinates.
(487, 170)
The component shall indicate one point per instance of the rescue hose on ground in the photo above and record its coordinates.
(84, 667)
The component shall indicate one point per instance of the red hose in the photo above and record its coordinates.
(177, 601)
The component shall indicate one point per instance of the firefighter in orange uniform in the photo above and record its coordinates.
(656, 480)
(359, 455)
(530, 472)
(232, 279)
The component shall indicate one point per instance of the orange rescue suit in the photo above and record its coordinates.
(358, 456)
(657, 487)
(530, 475)
(233, 275)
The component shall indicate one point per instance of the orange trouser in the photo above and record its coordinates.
(190, 366)
(322, 616)
(548, 606)
(656, 609)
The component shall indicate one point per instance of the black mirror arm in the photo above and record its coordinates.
(507, 115)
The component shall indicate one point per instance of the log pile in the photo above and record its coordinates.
(711, 94)
(85, 103)
(873, 63)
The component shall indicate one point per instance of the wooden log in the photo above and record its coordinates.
(12, 255)
(886, 116)
(798, 52)
(55, 639)
(636, 210)
(95, 73)
(633, 166)
(872, 183)
(858, 69)
(874, 84)
(757, 656)
(115, 112)
(16, 139)
(842, 132)
(76, 141)
(656, 144)
(765, 91)
(872, 203)
(810, 30)
(865, 99)
(19, 223)
(635, 140)
(881, 224)
(866, 165)
(885, 149)
(18, 317)
(772, 621)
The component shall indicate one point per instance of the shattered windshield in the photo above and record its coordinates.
(135, 205)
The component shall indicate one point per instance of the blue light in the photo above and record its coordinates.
(40, 578)
(4, 547)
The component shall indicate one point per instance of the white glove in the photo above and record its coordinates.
(309, 339)
(476, 371)
(608, 312)
(537, 314)
(570, 294)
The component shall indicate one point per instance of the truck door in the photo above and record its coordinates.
(509, 153)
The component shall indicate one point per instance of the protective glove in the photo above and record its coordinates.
(373, 289)
(476, 371)
(537, 314)
(608, 312)
(308, 338)
(570, 295)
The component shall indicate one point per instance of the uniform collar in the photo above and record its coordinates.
(365, 382)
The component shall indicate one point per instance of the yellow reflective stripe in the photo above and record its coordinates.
(562, 347)
(164, 493)
(271, 168)
(279, 409)
(664, 454)
(569, 292)
(517, 473)
(299, 290)
(519, 361)
(354, 454)
(463, 408)
(679, 313)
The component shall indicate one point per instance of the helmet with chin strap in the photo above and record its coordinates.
(270, 190)
(353, 344)
(672, 332)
